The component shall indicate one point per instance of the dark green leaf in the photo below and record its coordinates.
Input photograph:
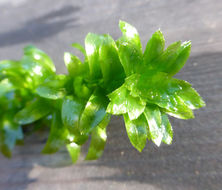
(111, 67)
(137, 131)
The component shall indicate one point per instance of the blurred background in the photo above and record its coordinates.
(192, 162)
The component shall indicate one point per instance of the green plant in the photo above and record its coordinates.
(116, 77)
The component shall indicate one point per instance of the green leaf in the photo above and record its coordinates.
(162, 90)
(5, 87)
(72, 109)
(94, 112)
(53, 88)
(92, 44)
(167, 58)
(103, 59)
(10, 133)
(13, 72)
(182, 56)
(111, 67)
(130, 34)
(57, 136)
(74, 151)
(81, 90)
(37, 65)
(98, 140)
(166, 129)
(73, 64)
(137, 131)
(40, 57)
(175, 107)
(130, 49)
(191, 98)
(8, 64)
(33, 111)
(173, 58)
(122, 102)
(80, 48)
(154, 47)
(153, 117)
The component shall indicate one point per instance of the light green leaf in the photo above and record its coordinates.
(5, 87)
(74, 151)
(92, 44)
(40, 57)
(53, 88)
(162, 91)
(154, 47)
(80, 48)
(57, 136)
(191, 98)
(182, 56)
(130, 49)
(81, 90)
(94, 112)
(122, 102)
(10, 133)
(98, 140)
(167, 129)
(153, 117)
(137, 131)
(74, 66)
(130, 34)
(72, 109)
(33, 111)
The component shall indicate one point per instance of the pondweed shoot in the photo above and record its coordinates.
(115, 78)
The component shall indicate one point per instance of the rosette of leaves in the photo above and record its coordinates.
(115, 78)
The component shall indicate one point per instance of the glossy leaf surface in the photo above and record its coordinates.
(122, 102)
(98, 140)
(34, 111)
(94, 112)
(137, 131)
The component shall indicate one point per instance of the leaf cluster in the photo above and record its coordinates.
(115, 78)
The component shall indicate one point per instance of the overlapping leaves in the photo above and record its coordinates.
(115, 77)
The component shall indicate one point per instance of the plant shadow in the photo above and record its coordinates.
(37, 29)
